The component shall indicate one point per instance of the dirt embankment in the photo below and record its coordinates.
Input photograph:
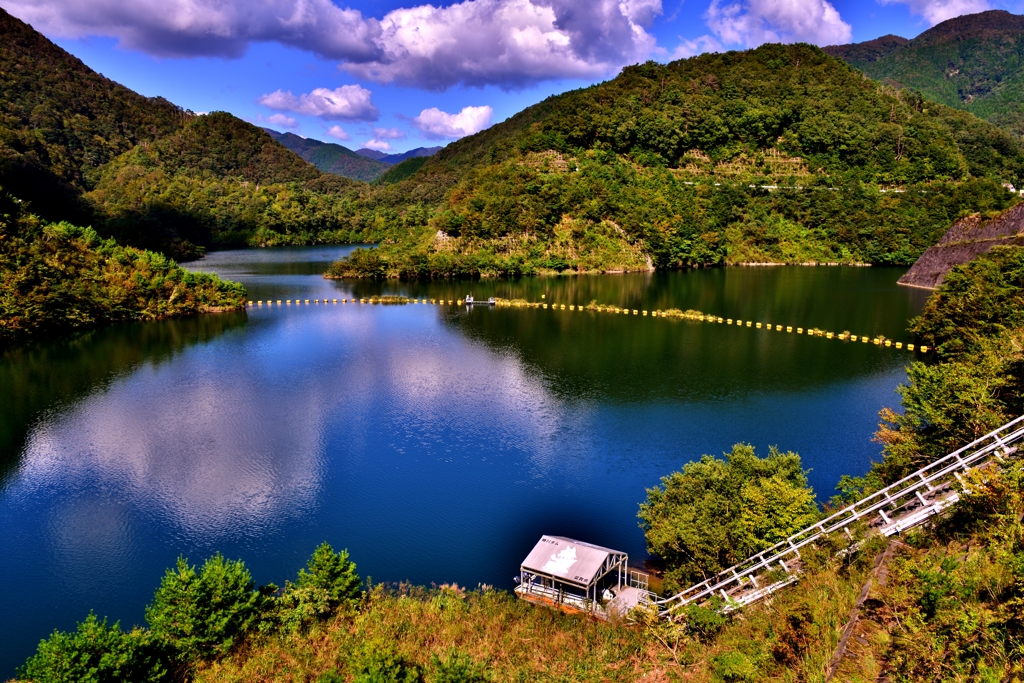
(968, 238)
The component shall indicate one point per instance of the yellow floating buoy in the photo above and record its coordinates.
(645, 312)
(778, 328)
(721, 320)
(334, 301)
(924, 349)
(828, 335)
(460, 303)
(563, 307)
(910, 347)
(888, 342)
(749, 324)
(864, 339)
(758, 325)
(799, 330)
(260, 303)
(545, 305)
(278, 302)
(307, 301)
(853, 337)
(572, 307)
(636, 312)
(899, 345)
(789, 328)
(728, 321)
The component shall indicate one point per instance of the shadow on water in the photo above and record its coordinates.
(39, 377)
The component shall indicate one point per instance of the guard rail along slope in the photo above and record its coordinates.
(900, 506)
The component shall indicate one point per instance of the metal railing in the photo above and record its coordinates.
(900, 506)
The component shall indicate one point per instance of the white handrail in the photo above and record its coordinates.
(936, 480)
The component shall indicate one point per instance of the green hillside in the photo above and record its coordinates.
(78, 147)
(60, 121)
(221, 181)
(973, 62)
(401, 171)
(779, 154)
(332, 158)
(56, 278)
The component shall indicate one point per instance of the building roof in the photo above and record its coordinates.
(570, 560)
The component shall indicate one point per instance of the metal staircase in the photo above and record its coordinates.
(900, 506)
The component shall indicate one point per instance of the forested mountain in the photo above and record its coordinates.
(220, 181)
(332, 158)
(974, 62)
(60, 121)
(77, 146)
(399, 157)
(779, 154)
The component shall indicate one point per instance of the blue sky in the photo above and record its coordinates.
(397, 75)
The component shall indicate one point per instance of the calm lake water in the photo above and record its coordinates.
(435, 444)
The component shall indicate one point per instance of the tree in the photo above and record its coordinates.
(203, 614)
(96, 653)
(715, 512)
(328, 582)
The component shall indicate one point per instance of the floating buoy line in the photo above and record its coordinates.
(697, 316)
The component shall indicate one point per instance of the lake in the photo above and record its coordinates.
(436, 444)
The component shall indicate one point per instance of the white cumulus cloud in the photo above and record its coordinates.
(338, 133)
(753, 22)
(937, 11)
(347, 103)
(379, 145)
(437, 124)
(223, 28)
(388, 133)
(509, 43)
(689, 48)
(283, 121)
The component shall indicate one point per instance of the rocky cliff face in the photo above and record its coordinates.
(968, 238)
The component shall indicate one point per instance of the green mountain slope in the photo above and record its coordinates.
(221, 181)
(779, 154)
(60, 121)
(332, 158)
(81, 148)
(973, 62)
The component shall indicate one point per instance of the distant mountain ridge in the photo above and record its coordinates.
(973, 62)
(331, 157)
(398, 158)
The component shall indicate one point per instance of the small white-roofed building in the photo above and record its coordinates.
(569, 574)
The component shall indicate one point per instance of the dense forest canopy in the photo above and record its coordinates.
(60, 120)
(57, 277)
(972, 62)
(779, 154)
(221, 181)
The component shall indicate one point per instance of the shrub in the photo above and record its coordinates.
(328, 582)
(203, 614)
(381, 664)
(96, 653)
(457, 667)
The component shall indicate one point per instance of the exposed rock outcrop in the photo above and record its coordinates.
(968, 238)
